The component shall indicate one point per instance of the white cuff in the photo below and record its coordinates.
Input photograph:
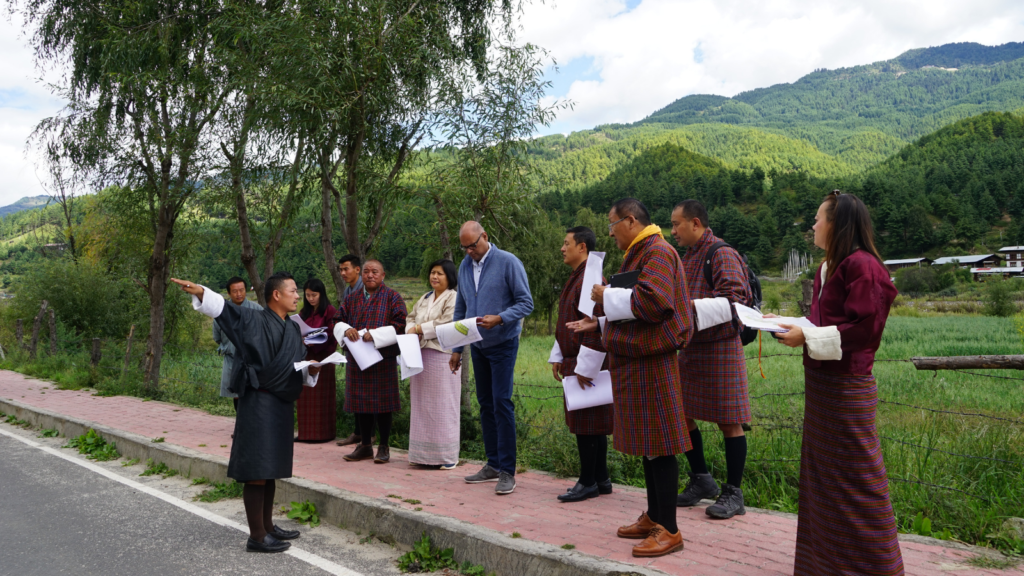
(617, 304)
(588, 362)
(384, 336)
(556, 354)
(428, 330)
(712, 312)
(823, 343)
(601, 321)
(211, 305)
(339, 332)
(307, 380)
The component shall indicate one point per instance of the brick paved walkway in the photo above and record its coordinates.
(759, 544)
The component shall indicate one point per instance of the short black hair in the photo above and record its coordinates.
(382, 267)
(633, 207)
(356, 263)
(584, 235)
(235, 280)
(315, 285)
(693, 209)
(449, 271)
(274, 283)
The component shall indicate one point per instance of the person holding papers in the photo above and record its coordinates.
(712, 366)
(434, 394)
(494, 290)
(590, 425)
(374, 315)
(236, 291)
(846, 523)
(267, 384)
(351, 270)
(645, 324)
(317, 406)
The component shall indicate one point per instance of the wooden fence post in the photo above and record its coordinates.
(989, 362)
(128, 351)
(53, 334)
(807, 294)
(35, 330)
(97, 352)
(19, 332)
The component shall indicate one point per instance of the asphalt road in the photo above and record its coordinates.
(57, 517)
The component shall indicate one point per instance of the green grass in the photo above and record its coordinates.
(94, 446)
(221, 491)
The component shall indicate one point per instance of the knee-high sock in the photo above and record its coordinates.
(383, 428)
(653, 512)
(735, 459)
(269, 489)
(585, 445)
(366, 427)
(696, 455)
(601, 458)
(252, 499)
(665, 470)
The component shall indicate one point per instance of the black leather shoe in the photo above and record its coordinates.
(269, 545)
(579, 493)
(604, 488)
(282, 534)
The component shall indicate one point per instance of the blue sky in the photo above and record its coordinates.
(620, 60)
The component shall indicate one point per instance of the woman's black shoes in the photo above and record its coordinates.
(579, 493)
(282, 534)
(269, 545)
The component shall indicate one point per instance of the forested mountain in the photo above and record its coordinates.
(829, 123)
(26, 203)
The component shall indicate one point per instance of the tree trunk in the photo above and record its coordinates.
(468, 390)
(128, 351)
(327, 235)
(53, 334)
(97, 352)
(35, 330)
(19, 332)
(807, 293)
(999, 362)
(159, 268)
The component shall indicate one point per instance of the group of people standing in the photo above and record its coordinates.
(672, 342)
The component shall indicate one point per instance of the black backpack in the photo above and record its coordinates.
(747, 335)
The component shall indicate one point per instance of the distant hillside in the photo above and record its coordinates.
(26, 203)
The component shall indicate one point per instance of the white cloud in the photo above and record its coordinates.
(644, 58)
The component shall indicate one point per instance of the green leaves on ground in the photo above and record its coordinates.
(94, 446)
(424, 557)
(154, 468)
(220, 491)
(305, 513)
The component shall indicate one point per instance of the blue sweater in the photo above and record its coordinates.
(504, 290)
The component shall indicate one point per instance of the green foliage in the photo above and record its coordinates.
(94, 446)
(305, 513)
(925, 279)
(999, 297)
(221, 491)
(49, 433)
(158, 468)
(424, 557)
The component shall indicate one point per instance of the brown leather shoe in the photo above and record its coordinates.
(383, 455)
(350, 440)
(658, 543)
(362, 452)
(638, 530)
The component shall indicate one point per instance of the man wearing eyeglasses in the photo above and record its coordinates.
(493, 288)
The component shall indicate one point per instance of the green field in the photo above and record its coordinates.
(974, 464)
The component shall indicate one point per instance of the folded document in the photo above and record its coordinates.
(459, 333)
(753, 319)
(599, 394)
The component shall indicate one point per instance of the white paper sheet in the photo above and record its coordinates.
(336, 358)
(592, 275)
(363, 352)
(461, 333)
(318, 336)
(410, 359)
(588, 362)
(599, 394)
(752, 319)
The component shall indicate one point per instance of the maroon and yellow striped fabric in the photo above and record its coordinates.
(729, 276)
(649, 418)
(714, 377)
(374, 390)
(846, 524)
(590, 421)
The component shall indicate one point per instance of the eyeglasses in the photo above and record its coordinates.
(612, 225)
(473, 245)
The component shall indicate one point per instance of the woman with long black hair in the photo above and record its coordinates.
(317, 409)
(845, 524)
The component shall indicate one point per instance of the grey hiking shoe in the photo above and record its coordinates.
(506, 483)
(699, 487)
(729, 504)
(486, 474)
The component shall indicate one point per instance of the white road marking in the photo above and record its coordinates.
(308, 557)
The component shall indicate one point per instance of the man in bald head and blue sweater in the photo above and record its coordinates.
(494, 289)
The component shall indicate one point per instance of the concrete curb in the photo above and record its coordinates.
(386, 520)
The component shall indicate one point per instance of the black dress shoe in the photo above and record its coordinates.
(605, 488)
(269, 545)
(282, 534)
(579, 493)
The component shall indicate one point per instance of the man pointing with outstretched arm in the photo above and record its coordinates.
(493, 288)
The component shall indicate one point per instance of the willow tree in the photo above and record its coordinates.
(144, 88)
